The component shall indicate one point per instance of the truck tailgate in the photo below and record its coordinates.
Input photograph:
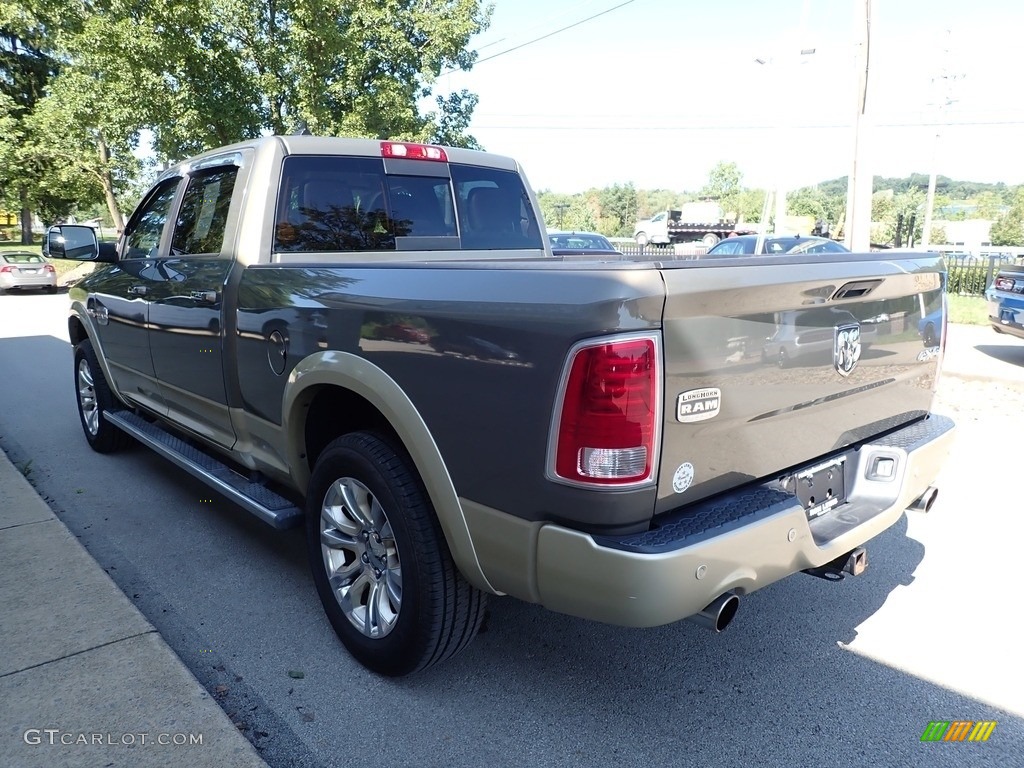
(772, 363)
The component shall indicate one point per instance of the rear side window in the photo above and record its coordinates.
(204, 213)
(351, 204)
(338, 204)
(494, 209)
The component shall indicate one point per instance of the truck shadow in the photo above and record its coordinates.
(1005, 353)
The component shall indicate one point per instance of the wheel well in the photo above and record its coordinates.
(335, 411)
(76, 331)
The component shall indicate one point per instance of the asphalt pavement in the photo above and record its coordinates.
(199, 611)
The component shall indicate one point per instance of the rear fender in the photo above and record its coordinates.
(342, 369)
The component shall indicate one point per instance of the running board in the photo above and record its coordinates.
(253, 497)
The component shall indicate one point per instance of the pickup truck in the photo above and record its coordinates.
(694, 222)
(374, 340)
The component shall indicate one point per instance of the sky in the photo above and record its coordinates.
(657, 92)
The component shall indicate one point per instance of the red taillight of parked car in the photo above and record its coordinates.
(1005, 283)
(607, 424)
(49, 268)
(6, 268)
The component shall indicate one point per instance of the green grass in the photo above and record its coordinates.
(968, 310)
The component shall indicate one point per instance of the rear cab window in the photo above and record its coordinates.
(337, 203)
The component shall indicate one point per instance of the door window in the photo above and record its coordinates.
(203, 217)
(143, 233)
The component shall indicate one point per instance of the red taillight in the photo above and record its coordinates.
(48, 268)
(1005, 283)
(6, 268)
(607, 425)
(409, 151)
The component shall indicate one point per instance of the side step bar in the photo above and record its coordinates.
(253, 497)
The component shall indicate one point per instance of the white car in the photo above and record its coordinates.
(24, 269)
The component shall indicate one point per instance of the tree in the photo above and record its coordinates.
(1009, 228)
(202, 73)
(723, 182)
(25, 71)
(618, 205)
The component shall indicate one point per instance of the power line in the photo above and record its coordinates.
(819, 126)
(545, 36)
(533, 28)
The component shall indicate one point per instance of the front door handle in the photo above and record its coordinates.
(138, 290)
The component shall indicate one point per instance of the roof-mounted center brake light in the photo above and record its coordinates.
(409, 151)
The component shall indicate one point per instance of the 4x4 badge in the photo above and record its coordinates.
(847, 348)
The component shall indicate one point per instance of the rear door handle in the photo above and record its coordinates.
(138, 290)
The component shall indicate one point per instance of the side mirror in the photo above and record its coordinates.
(71, 241)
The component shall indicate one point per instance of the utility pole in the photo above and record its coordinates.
(858, 192)
(942, 101)
(560, 207)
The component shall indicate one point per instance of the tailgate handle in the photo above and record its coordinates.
(856, 289)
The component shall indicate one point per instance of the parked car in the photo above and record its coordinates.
(744, 245)
(930, 327)
(581, 244)
(1006, 301)
(24, 269)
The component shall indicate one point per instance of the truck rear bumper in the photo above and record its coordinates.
(739, 543)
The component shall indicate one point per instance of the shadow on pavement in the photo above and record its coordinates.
(1006, 353)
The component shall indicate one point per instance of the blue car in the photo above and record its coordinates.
(1006, 301)
(929, 328)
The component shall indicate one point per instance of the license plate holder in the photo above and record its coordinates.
(821, 488)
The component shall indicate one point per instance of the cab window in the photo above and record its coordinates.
(144, 231)
(203, 216)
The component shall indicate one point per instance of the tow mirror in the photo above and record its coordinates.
(75, 242)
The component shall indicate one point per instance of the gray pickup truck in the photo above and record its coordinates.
(374, 339)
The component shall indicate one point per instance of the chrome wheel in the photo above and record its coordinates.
(361, 558)
(87, 398)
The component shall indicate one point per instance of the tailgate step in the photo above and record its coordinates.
(267, 505)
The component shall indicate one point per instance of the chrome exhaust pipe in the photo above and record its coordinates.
(926, 500)
(719, 612)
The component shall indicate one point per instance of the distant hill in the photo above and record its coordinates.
(956, 190)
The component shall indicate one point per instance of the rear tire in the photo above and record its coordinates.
(710, 240)
(930, 340)
(94, 400)
(380, 561)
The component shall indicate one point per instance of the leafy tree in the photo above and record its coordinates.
(988, 204)
(618, 206)
(24, 72)
(202, 73)
(723, 182)
(650, 201)
(1009, 227)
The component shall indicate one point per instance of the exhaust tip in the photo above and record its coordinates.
(926, 500)
(719, 613)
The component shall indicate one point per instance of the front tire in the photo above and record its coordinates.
(642, 239)
(380, 561)
(710, 240)
(94, 400)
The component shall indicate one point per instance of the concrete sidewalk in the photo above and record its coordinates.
(978, 352)
(85, 679)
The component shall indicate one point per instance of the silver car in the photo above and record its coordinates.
(24, 269)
